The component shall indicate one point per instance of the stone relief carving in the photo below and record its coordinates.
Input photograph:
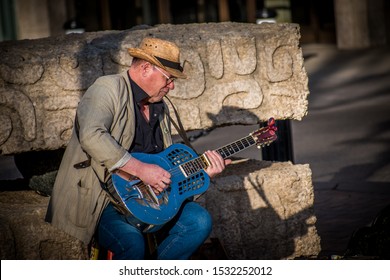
(279, 63)
(5, 128)
(214, 54)
(52, 129)
(19, 102)
(194, 85)
(239, 55)
(20, 67)
(77, 71)
(255, 69)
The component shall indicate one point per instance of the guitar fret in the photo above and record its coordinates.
(187, 169)
(198, 165)
(227, 151)
(193, 166)
(240, 145)
(222, 153)
(249, 143)
(252, 142)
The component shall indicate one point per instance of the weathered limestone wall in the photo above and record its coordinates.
(238, 74)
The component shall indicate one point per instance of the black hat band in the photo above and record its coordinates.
(170, 64)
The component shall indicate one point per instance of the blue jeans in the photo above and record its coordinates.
(178, 239)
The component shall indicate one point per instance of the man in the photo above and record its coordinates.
(120, 114)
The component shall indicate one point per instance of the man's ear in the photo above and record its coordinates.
(146, 67)
(142, 68)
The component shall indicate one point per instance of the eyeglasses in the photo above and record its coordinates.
(169, 79)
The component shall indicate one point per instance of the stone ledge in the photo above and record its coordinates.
(261, 210)
(265, 210)
(22, 214)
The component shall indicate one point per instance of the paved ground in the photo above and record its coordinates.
(345, 138)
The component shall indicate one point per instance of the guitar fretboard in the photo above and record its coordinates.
(235, 147)
(201, 162)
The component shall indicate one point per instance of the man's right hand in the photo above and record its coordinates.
(151, 174)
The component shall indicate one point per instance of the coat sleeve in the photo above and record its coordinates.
(100, 109)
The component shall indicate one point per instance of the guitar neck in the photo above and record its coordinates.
(236, 147)
(202, 162)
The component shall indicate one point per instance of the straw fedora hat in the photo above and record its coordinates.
(161, 53)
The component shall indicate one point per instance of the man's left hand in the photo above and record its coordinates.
(217, 163)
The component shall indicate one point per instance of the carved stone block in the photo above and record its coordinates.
(238, 73)
(264, 210)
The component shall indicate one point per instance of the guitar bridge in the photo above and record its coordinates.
(147, 196)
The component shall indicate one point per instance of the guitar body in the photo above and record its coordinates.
(140, 200)
(188, 179)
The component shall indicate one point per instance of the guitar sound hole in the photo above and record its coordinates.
(191, 184)
(177, 157)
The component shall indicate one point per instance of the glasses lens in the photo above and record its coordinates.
(168, 79)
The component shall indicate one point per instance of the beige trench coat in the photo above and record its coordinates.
(107, 126)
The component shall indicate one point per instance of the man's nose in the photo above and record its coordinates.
(171, 85)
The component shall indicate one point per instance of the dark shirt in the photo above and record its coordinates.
(148, 136)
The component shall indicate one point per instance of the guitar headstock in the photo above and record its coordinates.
(265, 135)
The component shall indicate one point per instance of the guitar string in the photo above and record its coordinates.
(245, 143)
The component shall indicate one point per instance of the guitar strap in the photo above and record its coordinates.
(179, 126)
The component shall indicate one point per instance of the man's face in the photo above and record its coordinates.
(160, 83)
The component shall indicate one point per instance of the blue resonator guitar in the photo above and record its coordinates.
(188, 179)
